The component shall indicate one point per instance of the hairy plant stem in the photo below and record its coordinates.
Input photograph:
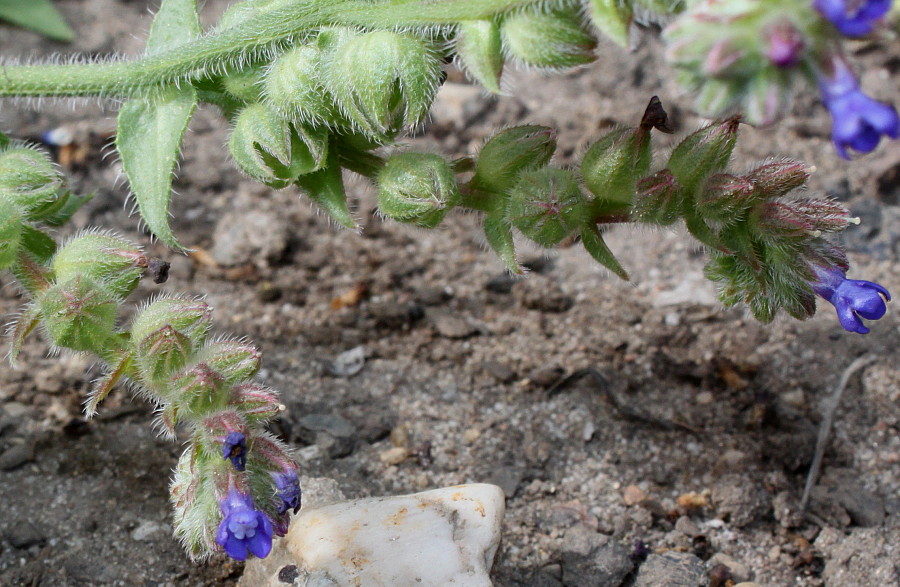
(247, 42)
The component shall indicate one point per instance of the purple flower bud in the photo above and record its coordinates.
(852, 298)
(858, 120)
(854, 18)
(288, 493)
(244, 528)
(234, 448)
(786, 45)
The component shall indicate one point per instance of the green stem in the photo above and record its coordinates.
(250, 40)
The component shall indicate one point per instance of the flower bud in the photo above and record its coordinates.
(199, 388)
(802, 217)
(11, 218)
(190, 318)
(79, 314)
(612, 166)
(510, 152)
(234, 360)
(271, 150)
(724, 196)
(419, 188)
(546, 205)
(612, 18)
(160, 354)
(256, 402)
(380, 80)
(703, 153)
(552, 39)
(785, 44)
(293, 86)
(480, 49)
(28, 178)
(767, 97)
(777, 178)
(658, 199)
(106, 258)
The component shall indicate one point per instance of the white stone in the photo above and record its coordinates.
(441, 537)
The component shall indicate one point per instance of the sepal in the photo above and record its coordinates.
(547, 205)
(510, 152)
(553, 39)
(113, 261)
(79, 314)
(419, 188)
(480, 50)
(28, 178)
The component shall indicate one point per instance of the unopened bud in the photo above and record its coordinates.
(293, 86)
(612, 166)
(551, 39)
(268, 148)
(381, 80)
(191, 318)
(160, 354)
(234, 360)
(106, 258)
(417, 187)
(480, 49)
(703, 153)
(723, 195)
(803, 217)
(658, 199)
(28, 178)
(768, 97)
(256, 402)
(777, 178)
(547, 205)
(785, 44)
(510, 152)
(721, 58)
(199, 388)
(79, 314)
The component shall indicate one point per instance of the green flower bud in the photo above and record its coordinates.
(245, 84)
(234, 360)
(658, 199)
(28, 177)
(255, 402)
(199, 388)
(768, 97)
(79, 314)
(271, 150)
(380, 80)
(612, 18)
(547, 205)
(703, 153)
(190, 318)
(552, 39)
(778, 178)
(108, 259)
(11, 218)
(724, 196)
(510, 152)
(160, 354)
(418, 188)
(612, 166)
(480, 49)
(293, 87)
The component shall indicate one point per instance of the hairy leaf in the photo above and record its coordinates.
(38, 15)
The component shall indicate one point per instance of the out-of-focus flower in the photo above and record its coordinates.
(288, 493)
(853, 18)
(852, 298)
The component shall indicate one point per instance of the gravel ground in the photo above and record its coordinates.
(643, 435)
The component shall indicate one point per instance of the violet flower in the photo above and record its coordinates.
(853, 18)
(858, 121)
(244, 529)
(234, 448)
(852, 298)
(288, 490)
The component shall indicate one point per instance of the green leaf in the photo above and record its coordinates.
(38, 15)
(150, 129)
(4, 140)
(595, 245)
(41, 245)
(70, 204)
(498, 232)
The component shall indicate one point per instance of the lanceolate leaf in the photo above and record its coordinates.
(498, 233)
(150, 129)
(38, 15)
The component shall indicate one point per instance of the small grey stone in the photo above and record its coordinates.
(434, 296)
(336, 435)
(16, 456)
(672, 569)
(23, 534)
(500, 372)
(589, 558)
(544, 294)
(865, 508)
(739, 571)
(348, 363)
(686, 526)
(508, 478)
(395, 315)
(255, 236)
(501, 284)
(450, 325)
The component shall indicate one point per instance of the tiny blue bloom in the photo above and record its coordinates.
(852, 298)
(854, 18)
(234, 447)
(858, 121)
(288, 490)
(244, 529)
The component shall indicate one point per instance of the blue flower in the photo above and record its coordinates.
(244, 528)
(852, 298)
(234, 447)
(858, 120)
(854, 18)
(288, 493)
